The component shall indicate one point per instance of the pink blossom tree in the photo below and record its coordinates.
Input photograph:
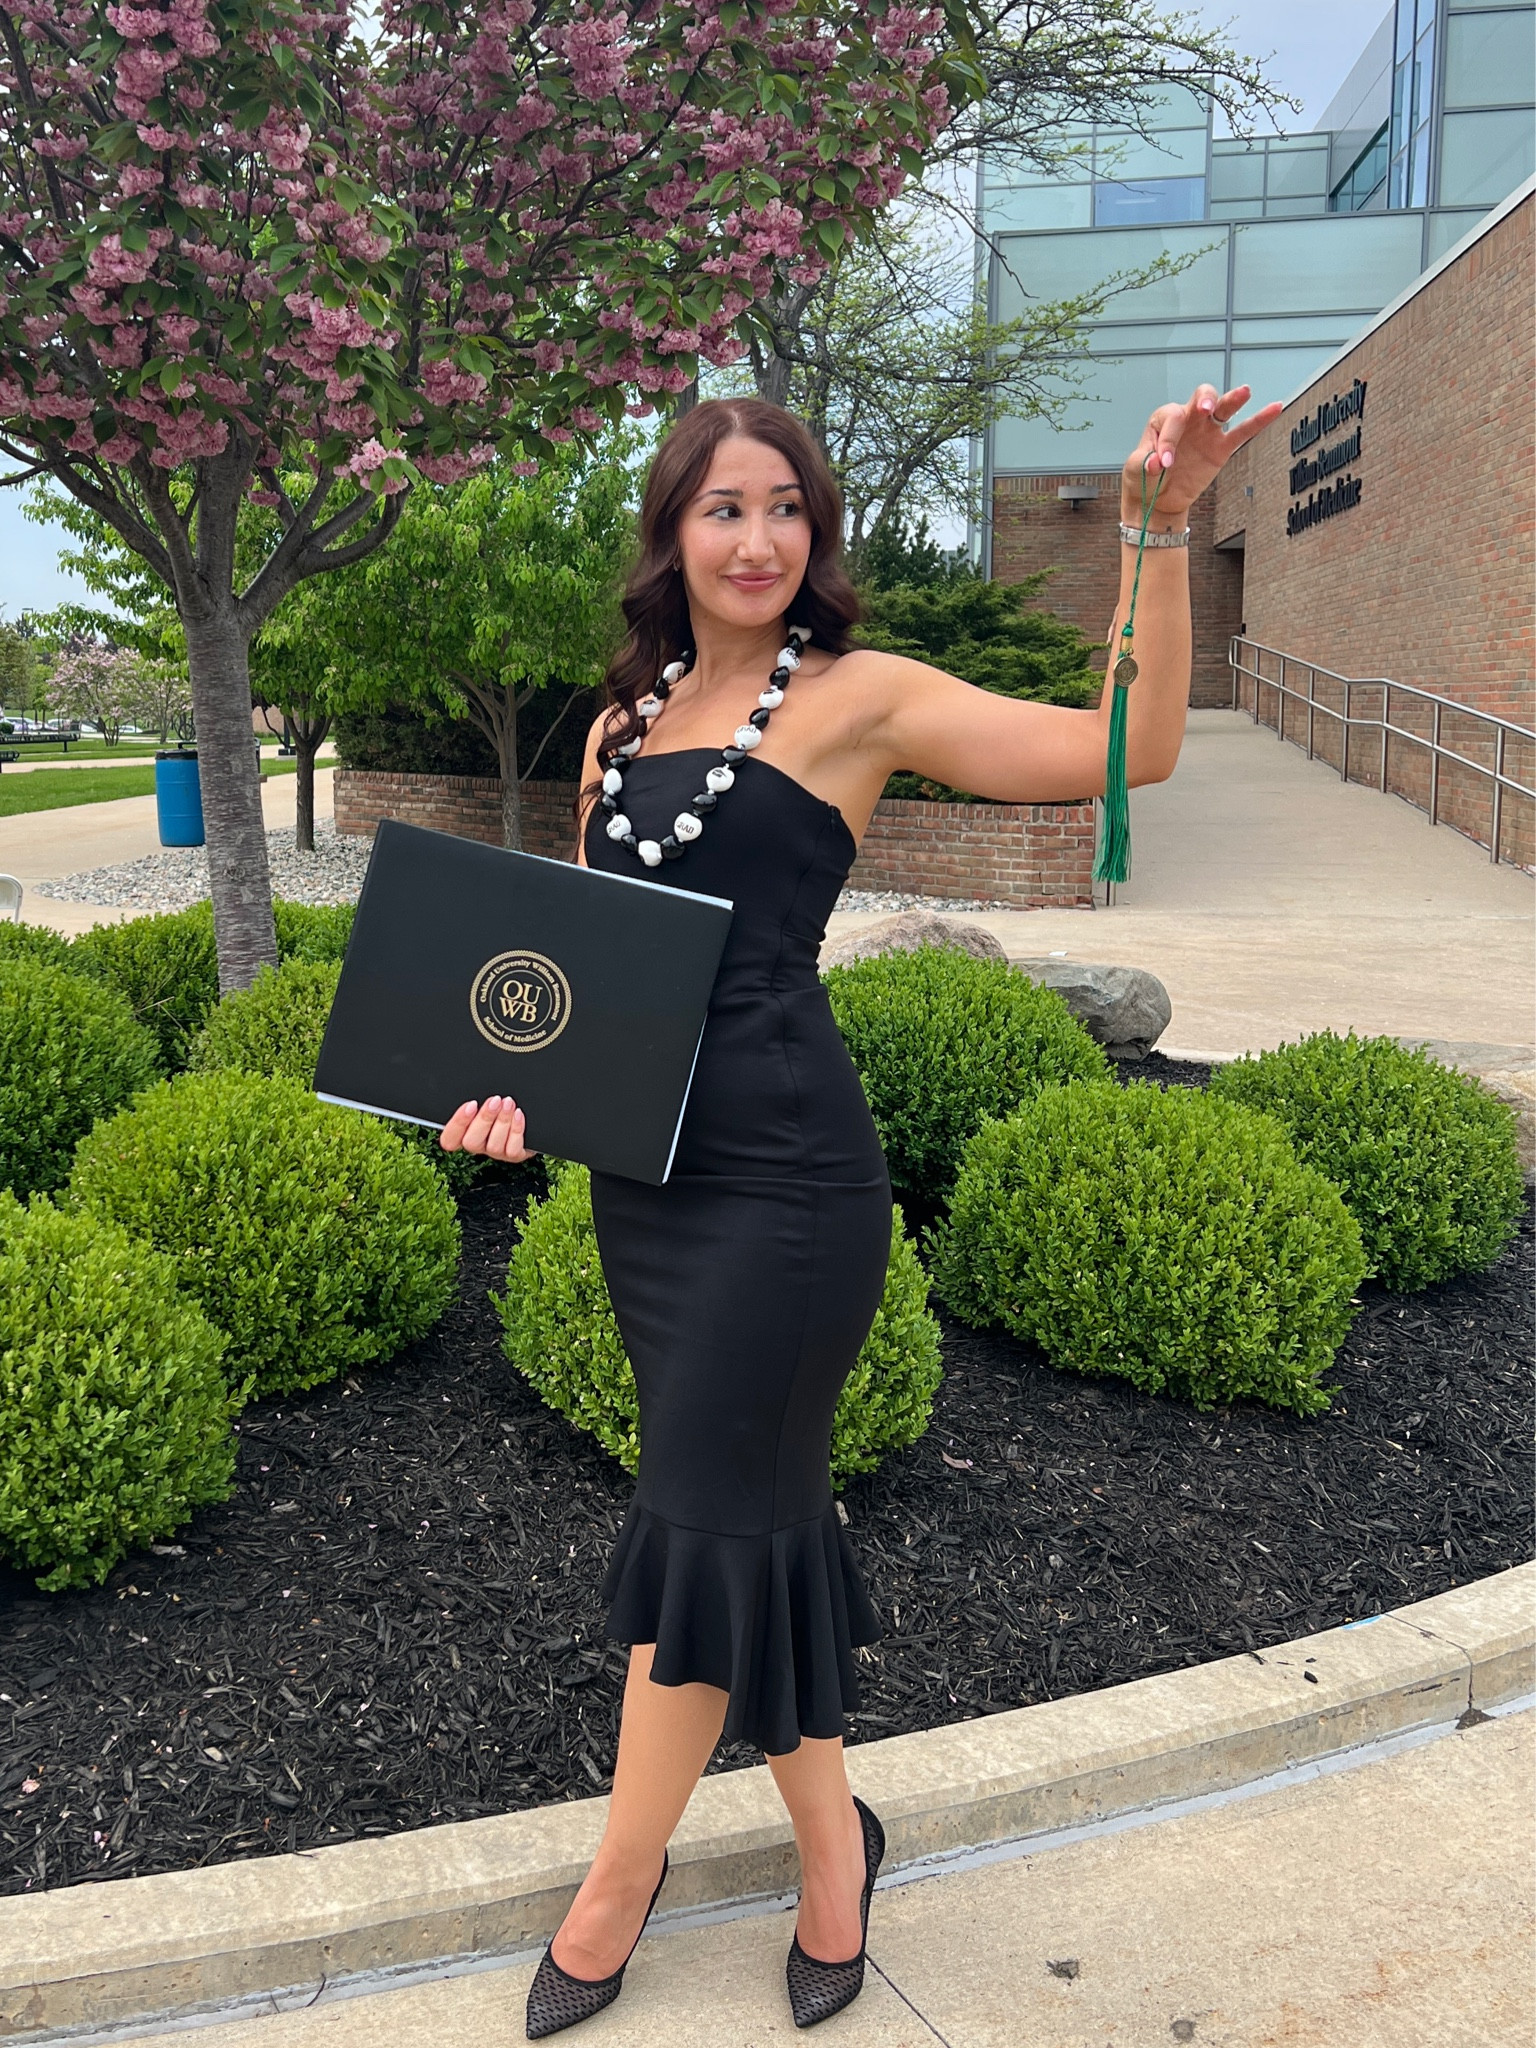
(244, 238)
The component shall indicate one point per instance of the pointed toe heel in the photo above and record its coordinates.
(557, 2000)
(817, 1989)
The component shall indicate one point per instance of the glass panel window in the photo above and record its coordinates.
(1294, 173)
(1237, 173)
(1129, 158)
(1153, 199)
(1176, 107)
(1277, 372)
(1101, 428)
(1040, 206)
(1483, 157)
(1490, 60)
(1359, 184)
(1275, 209)
(1237, 209)
(1061, 266)
(1119, 338)
(1319, 330)
(1447, 229)
(1405, 29)
(1331, 263)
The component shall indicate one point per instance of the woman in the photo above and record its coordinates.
(745, 746)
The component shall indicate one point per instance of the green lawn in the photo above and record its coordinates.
(130, 749)
(60, 788)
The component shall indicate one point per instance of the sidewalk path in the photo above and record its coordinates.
(1386, 1906)
(326, 753)
(39, 846)
(1273, 900)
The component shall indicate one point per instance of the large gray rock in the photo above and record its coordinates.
(905, 932)
(1126, 1009)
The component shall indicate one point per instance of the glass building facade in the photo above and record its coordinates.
(1290, 243)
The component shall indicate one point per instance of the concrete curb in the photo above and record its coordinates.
(143, 1949)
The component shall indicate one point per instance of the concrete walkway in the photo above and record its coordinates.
(39, 846)
(1273, 900)
(326, 753)
(1385, 1906)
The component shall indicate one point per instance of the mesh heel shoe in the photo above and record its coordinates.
(557, 2000)
(816, 1989)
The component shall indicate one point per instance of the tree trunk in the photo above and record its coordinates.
(511, 782)
(308, 736)
(218, 657)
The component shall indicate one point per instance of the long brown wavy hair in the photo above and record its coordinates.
(655, 601)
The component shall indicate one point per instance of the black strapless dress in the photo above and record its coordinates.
(745, 1286)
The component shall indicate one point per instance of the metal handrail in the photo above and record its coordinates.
(1503, 728)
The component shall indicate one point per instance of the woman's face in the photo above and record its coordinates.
(745, 536)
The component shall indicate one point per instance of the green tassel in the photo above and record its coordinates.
(1113, 862)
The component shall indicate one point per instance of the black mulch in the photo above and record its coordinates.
(394, 1621)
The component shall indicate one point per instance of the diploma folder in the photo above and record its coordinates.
(472, 971)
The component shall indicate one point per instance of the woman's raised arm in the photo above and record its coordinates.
(933, 724)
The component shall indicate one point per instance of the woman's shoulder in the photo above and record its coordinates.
(884, 679)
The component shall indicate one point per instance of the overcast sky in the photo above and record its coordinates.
(1309, 46)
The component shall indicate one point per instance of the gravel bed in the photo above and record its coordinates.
(394, 1621)
(333, 873)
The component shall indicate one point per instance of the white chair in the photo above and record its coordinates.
(10, 898)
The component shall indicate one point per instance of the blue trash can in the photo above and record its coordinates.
(178, 797)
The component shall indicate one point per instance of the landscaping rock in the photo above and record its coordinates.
(905, 933)
(1126, 1009)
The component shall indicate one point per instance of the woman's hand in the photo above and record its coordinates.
(1187, 445)
(494, 1127)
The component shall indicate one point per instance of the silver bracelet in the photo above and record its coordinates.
(1131, 535)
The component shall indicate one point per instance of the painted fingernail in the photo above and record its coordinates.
(465, 1107)
(1167, 458)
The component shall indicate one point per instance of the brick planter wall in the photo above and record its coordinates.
(1029, 855)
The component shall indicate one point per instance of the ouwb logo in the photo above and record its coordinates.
(520, 1001)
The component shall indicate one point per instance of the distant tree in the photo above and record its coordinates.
(97, 684)
(490, 592)
(18, 669)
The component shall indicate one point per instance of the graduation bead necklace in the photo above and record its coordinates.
(689, 824)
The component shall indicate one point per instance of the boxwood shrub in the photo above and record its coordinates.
(70, 1052)
(311, 1235)
(33, 942)
(562, 1336)
(1424, 1157)
(1168, 1238)
(275, 1027)
(943, 1041)
(114, 1408)
(312, 931)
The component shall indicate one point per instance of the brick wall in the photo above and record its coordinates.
(1428, 579)
(1029, 855)
(1034, 529)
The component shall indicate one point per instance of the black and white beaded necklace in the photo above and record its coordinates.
(689, 824)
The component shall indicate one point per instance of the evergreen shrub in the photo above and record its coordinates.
(1171, 1239)
(311, 1235)
(562, 1336)
(33, 942)
(312, 931)
(70, 1052)
(167, 968)
(275, 1027)
(943, 1041)
(1424, 1157)
(114, 1408)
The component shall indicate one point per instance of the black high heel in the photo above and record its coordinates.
(556, 1999)
(817, 1989)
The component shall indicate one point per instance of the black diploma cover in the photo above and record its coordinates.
(472, 971)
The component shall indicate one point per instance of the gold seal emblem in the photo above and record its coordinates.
(520, 1001)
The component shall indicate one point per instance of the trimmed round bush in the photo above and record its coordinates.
(166, 968)
(70, 1052)
(943, 1041)
(33, 942)
(312, 1236)
(312, 931)
(114, 1408)
(562, 1336)
(1174, 1241)
(275, 1027)
(1424, 1157)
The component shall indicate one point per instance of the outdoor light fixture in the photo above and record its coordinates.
(1074, 494)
